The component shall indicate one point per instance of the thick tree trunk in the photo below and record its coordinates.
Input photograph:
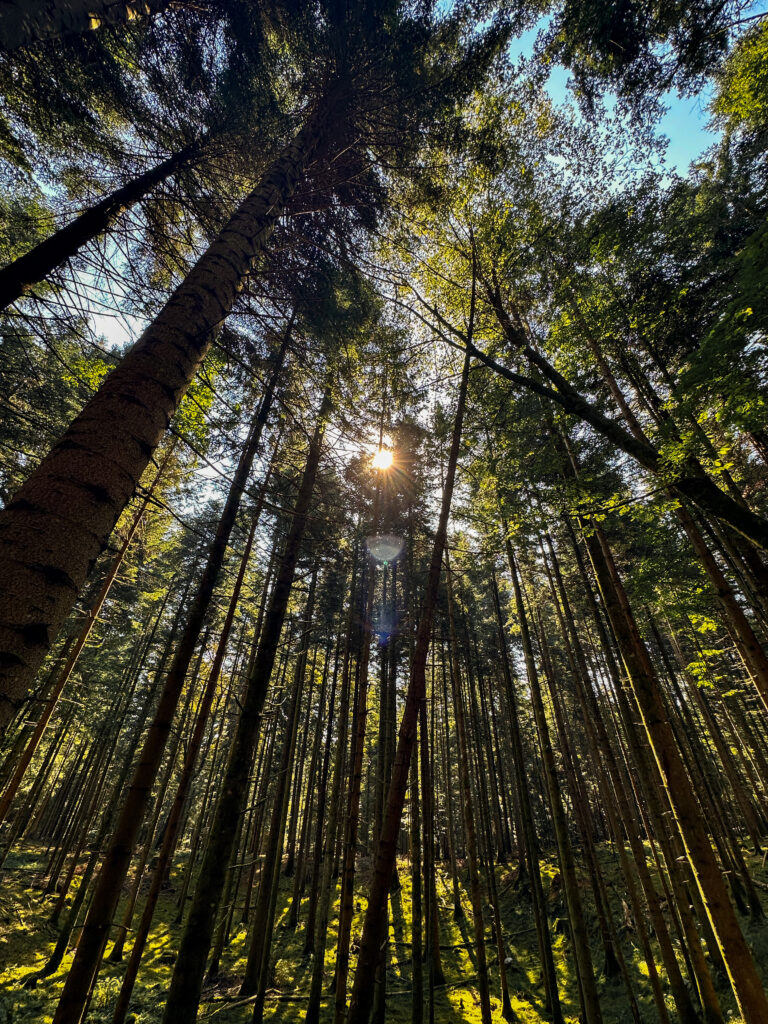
(57, 523)
(117, 860)
(76, 648)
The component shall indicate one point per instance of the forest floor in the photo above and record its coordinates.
(27, 937)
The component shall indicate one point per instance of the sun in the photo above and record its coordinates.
(382, 459)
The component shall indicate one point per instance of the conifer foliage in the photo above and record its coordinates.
(384, 526)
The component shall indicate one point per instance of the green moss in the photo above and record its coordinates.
(27, 938)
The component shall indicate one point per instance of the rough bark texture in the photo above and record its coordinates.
(53, 529)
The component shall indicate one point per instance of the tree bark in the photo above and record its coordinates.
(76, 649)
(57, 523)
(117, 860)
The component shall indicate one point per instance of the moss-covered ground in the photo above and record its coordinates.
(27, 938)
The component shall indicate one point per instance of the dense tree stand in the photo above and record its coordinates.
(383, 512)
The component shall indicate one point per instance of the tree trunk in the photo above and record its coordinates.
(76, 649)
(530, 840)
(117, 860)
(370, 943)
(187, 980)
(319, 935)
(19, 277)
(261, 929)
(745, 980)
(417, 968)
(57, 523)
(185, 780)
(579, 937)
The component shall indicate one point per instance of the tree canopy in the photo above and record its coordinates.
(384, 526)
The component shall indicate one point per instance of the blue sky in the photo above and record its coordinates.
(684, 124)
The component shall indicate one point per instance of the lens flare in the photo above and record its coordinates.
(382, 459)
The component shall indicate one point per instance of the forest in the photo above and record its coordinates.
(384, 511)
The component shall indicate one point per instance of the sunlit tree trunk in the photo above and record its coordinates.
(75, 496)
(744, 978)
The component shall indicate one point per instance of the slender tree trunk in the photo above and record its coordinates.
(329, 849)
(174, 819)
(19, 277)
(530, 840)
(579, 937)
(292, 917)
(458, 909)
(258, 963)
(187, 980)
(487, 832)
(745, 980)
(467, 805)
(261, 929)
(370, 943)
(318, 865)
(417, 968)
(351, 825)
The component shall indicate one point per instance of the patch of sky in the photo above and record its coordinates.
(686, 123)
